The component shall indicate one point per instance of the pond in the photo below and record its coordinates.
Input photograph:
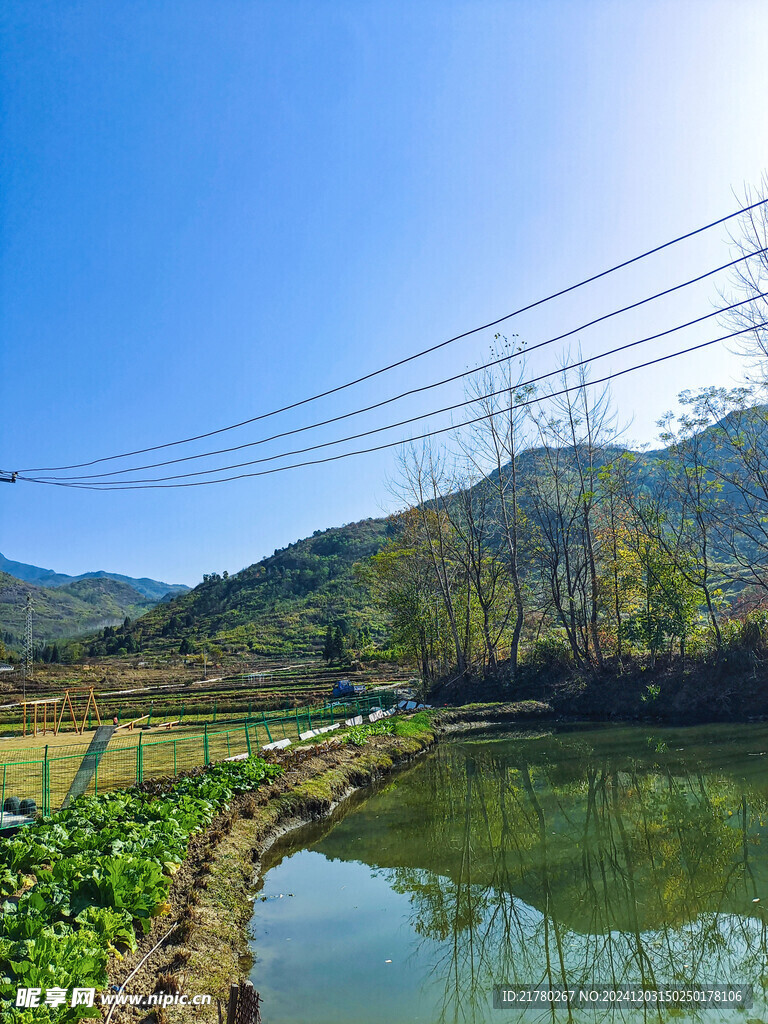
(578, 859)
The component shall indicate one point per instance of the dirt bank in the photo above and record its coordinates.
(479, 715)
(210, 902)
(673, 690)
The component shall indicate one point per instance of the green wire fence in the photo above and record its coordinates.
(44, 774)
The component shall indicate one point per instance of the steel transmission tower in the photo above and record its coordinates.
(27, 666)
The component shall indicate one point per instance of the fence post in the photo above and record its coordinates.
(206, 759)
(298, 727)
(140, 761)
(247, 740)
(266, 726)
(2, 798)
(182, 712)
(309, 717)
(232, 1004)
(44, 795)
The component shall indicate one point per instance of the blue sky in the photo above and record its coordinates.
(211, 209)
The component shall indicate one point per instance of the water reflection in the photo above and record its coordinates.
(567, 860)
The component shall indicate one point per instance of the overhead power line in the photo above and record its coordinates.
(408, 359)
(97, 478)
(446, 380)
(142, 485)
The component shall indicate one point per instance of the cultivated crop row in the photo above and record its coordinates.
(85, 882)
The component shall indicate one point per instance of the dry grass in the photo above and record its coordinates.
(22, 770)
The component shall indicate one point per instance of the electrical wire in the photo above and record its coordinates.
(405, 422)
(415, 355)
(139, 485)
(447, 380)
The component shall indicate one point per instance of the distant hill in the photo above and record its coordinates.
(279, 606)
(153, 590)
(68, 609)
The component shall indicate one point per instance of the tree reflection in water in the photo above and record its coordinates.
(545, 862)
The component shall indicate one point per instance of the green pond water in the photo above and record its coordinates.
(586, 857)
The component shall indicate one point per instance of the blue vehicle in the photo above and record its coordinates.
(343, 688)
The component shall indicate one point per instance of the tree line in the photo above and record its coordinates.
(535, 534)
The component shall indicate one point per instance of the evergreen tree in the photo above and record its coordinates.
(328, 647)
(339, 646)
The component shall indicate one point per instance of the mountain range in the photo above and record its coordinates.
(284, 604)
(280, 606)
(66, 610)
(66, 606)
(152, 590)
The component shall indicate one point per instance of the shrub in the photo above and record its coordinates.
(754, 631)
(551, 651)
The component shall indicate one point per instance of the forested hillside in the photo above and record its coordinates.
(573, 550)
(279, 606)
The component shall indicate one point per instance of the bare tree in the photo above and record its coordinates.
(692, 499)
(578, 436)
(426, 480)
(738, 462)
(470, 509)
(749, 278)
(496, 443)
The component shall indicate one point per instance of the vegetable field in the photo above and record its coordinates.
(271, 688)
(89, 879)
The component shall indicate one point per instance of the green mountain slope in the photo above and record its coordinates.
(70, 610)
(279, 606)
(152, 590)
(283, 604)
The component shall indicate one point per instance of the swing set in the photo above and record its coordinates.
(38, 713)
